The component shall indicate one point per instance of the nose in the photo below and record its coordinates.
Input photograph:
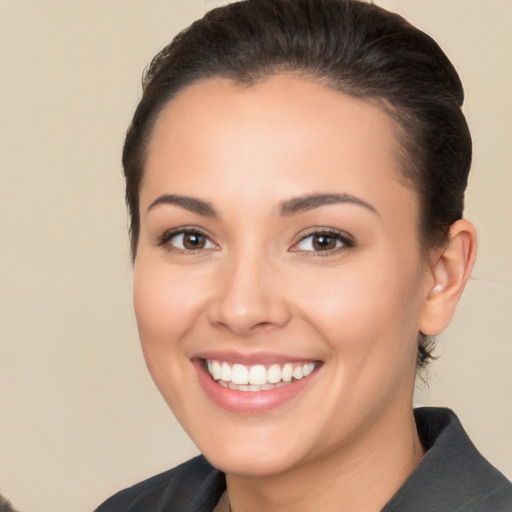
(248, 297)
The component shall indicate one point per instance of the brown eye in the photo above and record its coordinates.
(192, 241)
(324, 243)
(185, 240)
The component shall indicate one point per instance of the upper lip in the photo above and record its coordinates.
(252, 358)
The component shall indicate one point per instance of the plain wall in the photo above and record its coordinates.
(79, 415)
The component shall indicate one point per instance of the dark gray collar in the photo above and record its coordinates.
(452, 476)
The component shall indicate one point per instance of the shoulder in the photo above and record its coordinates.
(453, 475)
(194, 485)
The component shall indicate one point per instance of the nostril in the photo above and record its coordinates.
(262, 326)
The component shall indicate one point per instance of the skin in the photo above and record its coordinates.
(258, 286)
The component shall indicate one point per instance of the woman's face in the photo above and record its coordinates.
(278, 241)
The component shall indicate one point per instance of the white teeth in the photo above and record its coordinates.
(287, 373)
(225, 372)
(274, 374)
(215, 370)
(308, 369)
(298, 372)
(257, 377)
(239, 374)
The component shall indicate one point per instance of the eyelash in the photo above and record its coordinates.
(165, 238)
(347, 242)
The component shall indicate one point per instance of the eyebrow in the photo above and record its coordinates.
(309, 202)
(188, 203)
(290, 207)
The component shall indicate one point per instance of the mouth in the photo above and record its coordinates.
(259, 377)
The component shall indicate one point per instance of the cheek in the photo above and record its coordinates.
(166, 305)
(365, 312)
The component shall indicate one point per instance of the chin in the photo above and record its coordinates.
(256, 450)
(251, 464)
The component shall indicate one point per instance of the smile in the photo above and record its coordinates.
(257, 377)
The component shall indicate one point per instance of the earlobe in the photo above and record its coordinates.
(450, 271)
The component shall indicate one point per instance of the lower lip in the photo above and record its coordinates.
(249, 402)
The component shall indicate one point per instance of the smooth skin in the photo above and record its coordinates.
(345, 283)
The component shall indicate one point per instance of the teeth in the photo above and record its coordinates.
(298, 372)
(214, 369)
(287, 372)
(308, 369)
(225, 372)
(257, 377)
(274, 374)
(239, 374)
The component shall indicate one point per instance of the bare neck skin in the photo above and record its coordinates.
(362, 478)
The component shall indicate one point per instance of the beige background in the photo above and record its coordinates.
(79, 416)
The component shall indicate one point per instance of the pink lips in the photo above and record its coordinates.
(248, 402)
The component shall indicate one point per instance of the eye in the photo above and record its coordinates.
(323, 241)
(186, 240)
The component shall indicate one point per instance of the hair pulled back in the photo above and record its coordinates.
(357, 48)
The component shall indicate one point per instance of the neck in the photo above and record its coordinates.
(361, 478)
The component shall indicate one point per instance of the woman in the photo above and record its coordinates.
(295, 178)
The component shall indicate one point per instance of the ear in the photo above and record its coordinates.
(450, 269)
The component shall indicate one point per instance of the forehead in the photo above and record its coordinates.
(284, 131)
